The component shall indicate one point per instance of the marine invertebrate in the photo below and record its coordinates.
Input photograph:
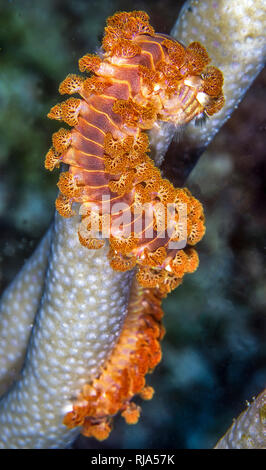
(22, 405)
(142, 77)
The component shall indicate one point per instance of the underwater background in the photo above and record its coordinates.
(214, 350)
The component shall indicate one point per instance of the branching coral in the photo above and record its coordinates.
(248, 431)
(143, 79)
(65, 351)
(17, 311)
(232, 34)
(9, 403)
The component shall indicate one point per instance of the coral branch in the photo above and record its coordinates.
(74, 332)
(18, 307)
(234, 36)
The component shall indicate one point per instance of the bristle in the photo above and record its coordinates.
(141, 78)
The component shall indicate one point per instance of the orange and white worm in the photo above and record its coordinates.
(140, 79)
